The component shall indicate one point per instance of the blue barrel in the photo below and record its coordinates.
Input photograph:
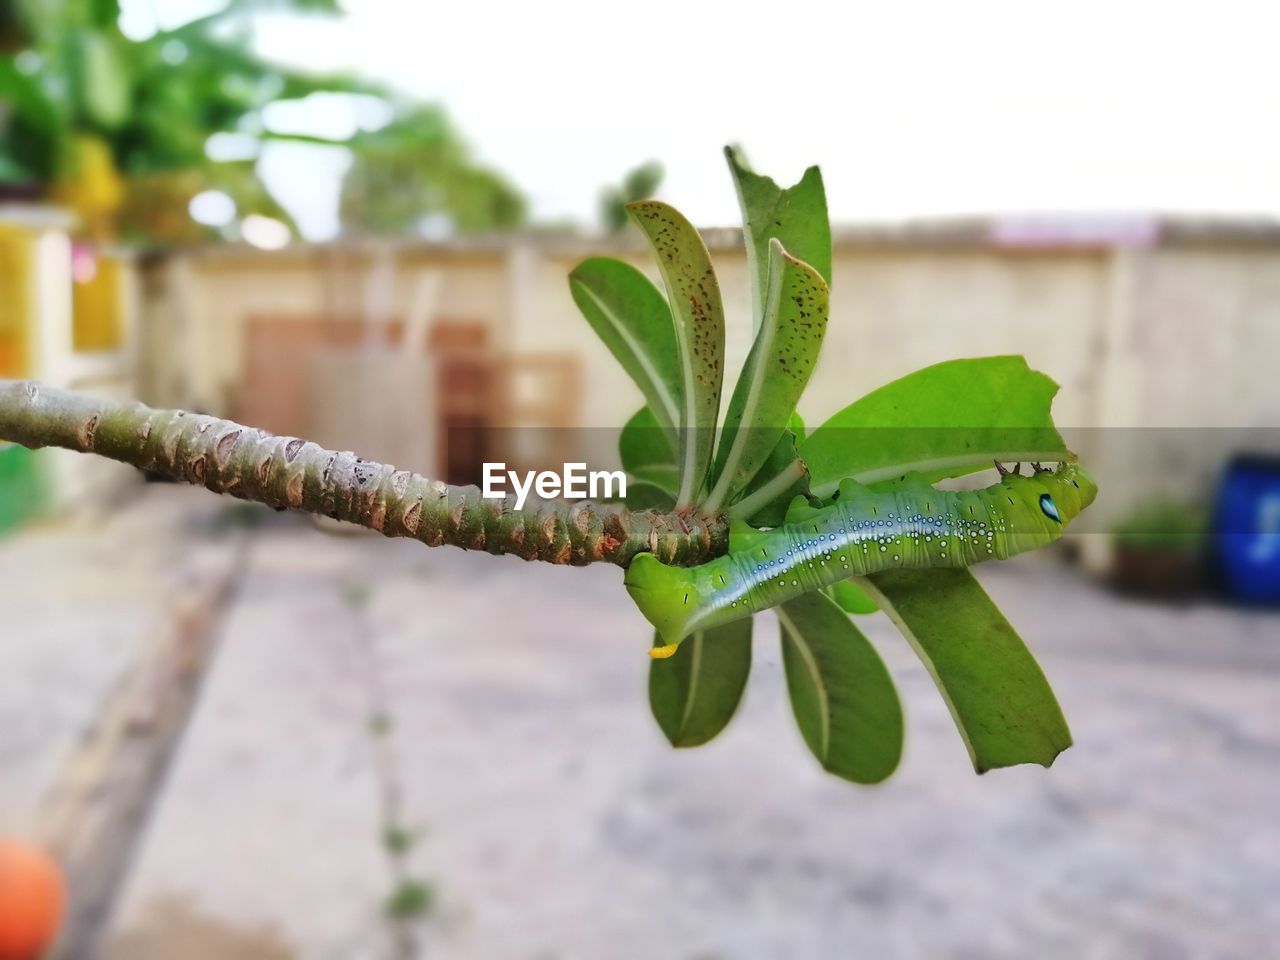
(1246, 529)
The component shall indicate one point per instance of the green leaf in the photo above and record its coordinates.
(775, 373)
(841, 693)
(410, 900)
(643, 443)
(695, 692)
(629, 314)
(645, 494)
(650, 462)
(694, 296)
(663, 475)
(782, 478)
(997, 693)
(852, 599)
(943, 421)
(398, 840)
(796, 216)
(25, 97)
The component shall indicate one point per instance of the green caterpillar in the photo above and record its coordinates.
(864, 531)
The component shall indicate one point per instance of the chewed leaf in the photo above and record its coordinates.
(1003, 706)
(946, 420)
(774, 376)
(630, 316)
(695, 301)
(796, 216)
(842, 695)
(695, 692)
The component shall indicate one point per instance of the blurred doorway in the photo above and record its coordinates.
(465, 391)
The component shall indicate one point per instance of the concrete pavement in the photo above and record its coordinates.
(556, 822)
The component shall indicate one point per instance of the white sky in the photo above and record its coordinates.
(910, 108)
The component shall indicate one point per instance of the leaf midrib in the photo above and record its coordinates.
(769, 332)
(695, 671)
(824, 713)
(689, 423)
(670, 407)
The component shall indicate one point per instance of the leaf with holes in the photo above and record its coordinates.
(1002, 704)
(796, 216)
(841, 693)
(947, 420)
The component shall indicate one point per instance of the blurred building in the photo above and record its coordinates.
(1145, 323)
(414, 352)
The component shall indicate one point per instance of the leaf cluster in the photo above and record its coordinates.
(947, 420)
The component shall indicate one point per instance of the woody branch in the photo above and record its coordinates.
(286, 472)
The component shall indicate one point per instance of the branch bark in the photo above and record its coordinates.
(286, 472)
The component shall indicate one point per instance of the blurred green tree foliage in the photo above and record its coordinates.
(417, 169)
(118, 128)
(640, 183)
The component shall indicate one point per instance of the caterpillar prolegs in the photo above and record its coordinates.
(864, 531)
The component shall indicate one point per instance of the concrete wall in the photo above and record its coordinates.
(892, 312)
(1180, 330)
(199, 306)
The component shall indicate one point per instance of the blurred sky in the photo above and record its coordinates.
(910, 108)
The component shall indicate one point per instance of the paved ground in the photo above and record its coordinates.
(82, 603)
(558, 824)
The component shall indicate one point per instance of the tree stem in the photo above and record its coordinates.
(285, 472)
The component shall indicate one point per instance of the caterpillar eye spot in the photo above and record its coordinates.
(1049, 508)
(686, 598)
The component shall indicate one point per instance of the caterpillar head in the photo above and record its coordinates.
(1059, 495)
(1068, 491)
(668, 598)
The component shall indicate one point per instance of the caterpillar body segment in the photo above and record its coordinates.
(911, 525)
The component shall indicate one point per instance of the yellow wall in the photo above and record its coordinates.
(17, 307)
(98, 305)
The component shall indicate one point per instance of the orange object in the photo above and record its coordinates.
(32, 897)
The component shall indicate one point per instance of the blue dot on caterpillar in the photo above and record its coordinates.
(905, 525)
